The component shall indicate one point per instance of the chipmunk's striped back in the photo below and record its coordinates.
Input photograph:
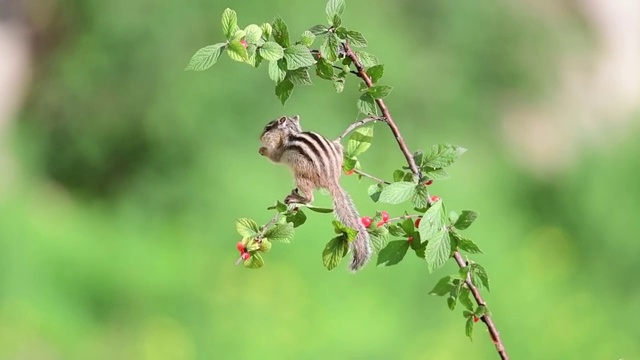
(323, 157)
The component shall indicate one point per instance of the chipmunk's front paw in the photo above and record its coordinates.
(262, 151)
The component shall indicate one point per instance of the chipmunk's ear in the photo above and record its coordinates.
(282, 120)
(296, 119)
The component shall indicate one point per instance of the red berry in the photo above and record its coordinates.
(381, 223)
(410, 239)
(244, 43)
(417, 223)
(475, 319)
(435, 198)
(385, 216)
(429, 182)
(245, 256)
(366, 221)
(240, 247)
(350, 172)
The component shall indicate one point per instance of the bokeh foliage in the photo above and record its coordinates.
(119, 241)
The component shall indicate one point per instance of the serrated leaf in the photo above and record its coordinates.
(396, 230)
(340, 228)
(443, 155)
(276, 73)
(334, 251)
(330, 47)
(465, 299)
(349, 164)
(280, 233)
(379, 237)
(380, 91)
(452, 300)
(255, 58)
(366, 59)
(239, 34)
(433, 221)
(359, 141)
(443, 286)
(438, 250)
(333, 8)
(254, 262)
(324, 69)
(434, 174)
(319, 30)
(408, 225)
(247, 227)
(266, 31)
(397, 192)
(299, 77)
(393, 253)
(205, 57)
(374, 192)
(279, 207)
(320, 210)
(356, 39)
(253, 33)
(338, 85)
(375, 73)
(398, 175)
(420, 196)
(271, 51)
(366, 104)
(307, 38)
(466, 218)
(284, 90)
(280, 32)
(296, 218)
(453, 216)
(468, 328)
(479, 276)
(237, 51)
(298, 56)
(229, 23)
(465, 244)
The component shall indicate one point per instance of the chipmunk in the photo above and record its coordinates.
(316, 163)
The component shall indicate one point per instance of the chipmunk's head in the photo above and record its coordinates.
(284, 125)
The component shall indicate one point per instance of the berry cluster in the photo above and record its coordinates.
(367, 221)
(243, 251)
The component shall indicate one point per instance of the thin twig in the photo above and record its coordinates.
(404, 217)
(378, 180)
(357, 124)
(493, 331)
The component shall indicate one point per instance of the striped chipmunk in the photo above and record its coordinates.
(316, 163)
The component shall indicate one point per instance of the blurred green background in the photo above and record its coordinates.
(117, 236)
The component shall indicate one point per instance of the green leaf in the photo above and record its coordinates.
(438, 250)
(334, 251)
(298, 56)
(307, 38)
(380, 91)
(393, 253)
(453, 216)
(443, 286)
(237, 51)
(443, 155)
(284, 90)
(480, 311)
(324, 69)
(340, 228)
(366, 59)
(253, 33)
(465, 244)
(205, 57)
(280, 233)
(330, 47)
(359, 141)
(466, 218)
(334, 8)
(397, 192)
(254, 262)
(374, 192)
(379, 237)
(396, 230)
(479, 276)
(318, 209)
(338, 85)
(247, 227)
(296, 218)
(418, 156)
(468, 328)
(408, 225)
(299, 77)
(433, 222)
(452, 300)
(349, 164)
(255, 58)
(375, 73)
(229, 23)
(356, 39)
(279, 207)
(420, 196)
(271, 51)
(266, 31)
(366, 104)
(281, 32)
(276, 71)
(398, 175)
(465, 298)
(319, 30)
(435, 174)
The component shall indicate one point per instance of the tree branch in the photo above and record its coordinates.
(493, 331)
